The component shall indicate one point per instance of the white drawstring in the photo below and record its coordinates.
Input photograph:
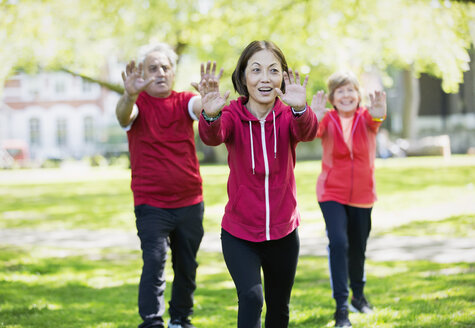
(275, 137)
(252, 148)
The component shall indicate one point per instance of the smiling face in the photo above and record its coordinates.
(345, 99)
(262, 75)
(157, 65)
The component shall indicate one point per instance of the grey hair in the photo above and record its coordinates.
(162, 48)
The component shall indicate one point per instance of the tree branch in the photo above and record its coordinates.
(110, 86)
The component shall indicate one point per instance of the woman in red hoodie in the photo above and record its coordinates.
(261, 132)
(345, 187)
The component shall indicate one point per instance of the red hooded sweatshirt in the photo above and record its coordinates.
(261, 157)
(347, 175)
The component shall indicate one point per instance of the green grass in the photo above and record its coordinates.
(454, 226)
(42, 288)
(100, 198)
(48, 287)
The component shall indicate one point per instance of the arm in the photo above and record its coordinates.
(304, 125)
(304, 128)
(212, 101)
(133, 85)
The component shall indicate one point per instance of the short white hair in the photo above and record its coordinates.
(159, 47)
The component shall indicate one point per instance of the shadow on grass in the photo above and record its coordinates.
(39, 290)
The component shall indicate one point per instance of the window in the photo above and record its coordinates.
(88, 130)
(35, 139)
(60, 86)
(86, 87)
(61, 132)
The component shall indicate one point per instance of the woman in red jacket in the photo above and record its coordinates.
(345, 187)
(261, 132)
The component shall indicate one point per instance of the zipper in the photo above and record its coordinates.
(357, 118)
(266, 180)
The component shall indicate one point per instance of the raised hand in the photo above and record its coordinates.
(295, 94)
(133, 80)
(377, 107)
(318, 105)
(211, 99)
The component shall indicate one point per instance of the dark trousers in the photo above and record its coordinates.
(348, 230)
(182, 230)
(278, 260)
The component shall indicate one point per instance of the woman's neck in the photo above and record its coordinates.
(346, 114)
(258, 111)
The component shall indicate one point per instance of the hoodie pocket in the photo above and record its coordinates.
(249, 208)
(283, 205)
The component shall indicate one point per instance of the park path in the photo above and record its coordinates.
(380, 248)
(382, 245)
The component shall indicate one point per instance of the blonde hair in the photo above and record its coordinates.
(339, 79)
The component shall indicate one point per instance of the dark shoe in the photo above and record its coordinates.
(360, 305)
(180, 323)
(341, 319)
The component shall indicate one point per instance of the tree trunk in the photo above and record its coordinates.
(410, 104)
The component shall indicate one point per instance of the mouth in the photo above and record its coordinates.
(265, 90)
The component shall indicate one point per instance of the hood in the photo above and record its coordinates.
(238, 108)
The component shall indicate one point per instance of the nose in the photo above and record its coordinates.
(265, 76)
(161, 71)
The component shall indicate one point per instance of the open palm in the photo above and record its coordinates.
(295, 94)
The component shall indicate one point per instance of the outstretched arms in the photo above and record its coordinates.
(212, 100)
(133, 85)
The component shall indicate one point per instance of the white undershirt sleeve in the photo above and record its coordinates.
(190, 108)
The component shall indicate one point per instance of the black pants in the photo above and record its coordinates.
(278, 260)
(348, 230)
(182, 230)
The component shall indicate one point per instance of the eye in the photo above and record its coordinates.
(256, 69)
(165, 68)
(152, 68)
(274, 70)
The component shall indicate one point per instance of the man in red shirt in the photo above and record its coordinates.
(166, 182)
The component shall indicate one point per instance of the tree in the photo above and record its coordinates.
(317, 36)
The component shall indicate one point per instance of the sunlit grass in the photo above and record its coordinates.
(455, 226)
(46, 287)
(41, 290)
(100, 198)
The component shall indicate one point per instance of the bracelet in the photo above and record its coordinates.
(299, 113)
(379, 119)
(210, 119)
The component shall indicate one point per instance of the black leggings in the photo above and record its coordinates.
(278, 260)
(348, 229)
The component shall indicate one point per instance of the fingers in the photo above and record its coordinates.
(226, 95)
(220, 73)
(195, 86)
(305, 82)
(291, 76)
(286, 78)
(202, 70)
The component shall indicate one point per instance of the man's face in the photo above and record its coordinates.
(158, 66)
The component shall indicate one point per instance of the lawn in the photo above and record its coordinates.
(49, 287)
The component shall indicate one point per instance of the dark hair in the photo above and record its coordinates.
(239, 77)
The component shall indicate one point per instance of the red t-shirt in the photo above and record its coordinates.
(165, 169)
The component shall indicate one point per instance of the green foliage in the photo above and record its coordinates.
(318, 37)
